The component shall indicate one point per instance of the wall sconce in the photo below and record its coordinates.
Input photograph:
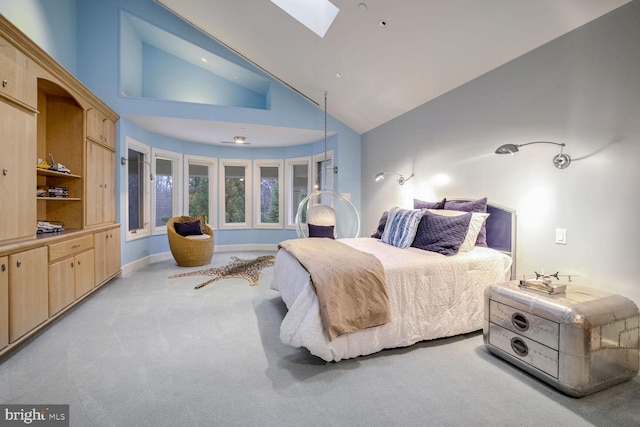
(560, 160)
(401, 179)
(124, 160)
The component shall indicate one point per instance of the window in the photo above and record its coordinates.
(138, 185)
(298, 186)
(235, 187)
(166, 195)
(200, 187)
(268, 197)
(323, 172)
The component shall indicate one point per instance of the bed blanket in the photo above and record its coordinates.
(349, 284)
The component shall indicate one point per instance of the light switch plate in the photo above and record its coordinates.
(561, 236)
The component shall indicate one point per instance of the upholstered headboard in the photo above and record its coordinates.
(501, 231)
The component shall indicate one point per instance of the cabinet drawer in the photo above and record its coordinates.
(524, 349)
(70, 247)
(526, 324)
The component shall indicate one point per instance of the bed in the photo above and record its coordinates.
(430, 295)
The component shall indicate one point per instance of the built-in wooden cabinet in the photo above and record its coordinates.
(17, 174)
(47, 115)
(28, 291)
(71, 271)
(107, 253)
(16, 71)
(4, 302)
(100, 184)
(100, 128)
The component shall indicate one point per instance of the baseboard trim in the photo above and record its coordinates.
(138, 264)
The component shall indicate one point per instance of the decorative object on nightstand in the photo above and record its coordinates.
(580, 341)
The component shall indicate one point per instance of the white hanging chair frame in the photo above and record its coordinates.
(301, 227)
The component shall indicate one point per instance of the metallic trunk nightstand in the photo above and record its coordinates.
(580, 341)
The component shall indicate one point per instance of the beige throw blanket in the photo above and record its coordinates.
(349, 283)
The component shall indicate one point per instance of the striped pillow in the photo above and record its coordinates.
(401, 227)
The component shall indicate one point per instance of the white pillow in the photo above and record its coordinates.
(401, 226)
(475, 225)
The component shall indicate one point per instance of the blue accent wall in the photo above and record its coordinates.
(87, 38)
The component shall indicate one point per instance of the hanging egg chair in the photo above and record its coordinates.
(328, 208)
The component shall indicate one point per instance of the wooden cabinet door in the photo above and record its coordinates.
(101, 196)
(84, 273)
(113, 251)
(95, 185)
(109, 188)
(16, 74)
(28, 291)
(107, 254)
(17, 173)
(4, 302)
(100, 253)
(61, 285)
(100, 128)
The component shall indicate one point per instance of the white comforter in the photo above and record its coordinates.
(430, 295)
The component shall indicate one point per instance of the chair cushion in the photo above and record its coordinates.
(188, 228)
(198, 237)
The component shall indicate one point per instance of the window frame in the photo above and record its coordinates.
(222, 223)
(176, 197)
(145, 150)
(212, 163)
(257, 214)
(291, 210)
(318, 158)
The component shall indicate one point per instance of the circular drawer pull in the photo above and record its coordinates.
(5, 83)
(519, 347)
(4, 267)
(520, 321)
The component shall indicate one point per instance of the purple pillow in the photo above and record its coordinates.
(442, 234)
(421, 204)
(381, 225)
(321, 231)
(188, 228)
(479, 205)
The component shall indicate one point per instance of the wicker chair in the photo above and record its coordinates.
(190, 252)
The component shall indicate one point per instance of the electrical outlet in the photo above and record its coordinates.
(561, 236)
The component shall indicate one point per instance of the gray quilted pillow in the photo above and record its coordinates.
(442, 234)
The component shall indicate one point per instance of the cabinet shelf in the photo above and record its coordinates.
(60, 199)
(47, 172)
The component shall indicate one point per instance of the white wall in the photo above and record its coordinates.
(582, 89)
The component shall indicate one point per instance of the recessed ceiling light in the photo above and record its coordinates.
(382, 23)
(338, 75)
(362, 7)
(204, 59)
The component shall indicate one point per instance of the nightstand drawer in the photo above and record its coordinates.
(70, 247)
(526, 324)
(530, 352)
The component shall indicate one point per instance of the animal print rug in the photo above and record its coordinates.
(250, 269)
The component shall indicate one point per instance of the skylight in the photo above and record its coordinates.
(316, 15)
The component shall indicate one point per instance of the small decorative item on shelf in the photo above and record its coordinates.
(50, 227)
(59, 192)
(41, 191)
(43, 165)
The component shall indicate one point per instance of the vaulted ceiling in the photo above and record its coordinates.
(381, 58)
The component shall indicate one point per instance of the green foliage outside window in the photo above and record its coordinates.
(199, 196)
(234, 200)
